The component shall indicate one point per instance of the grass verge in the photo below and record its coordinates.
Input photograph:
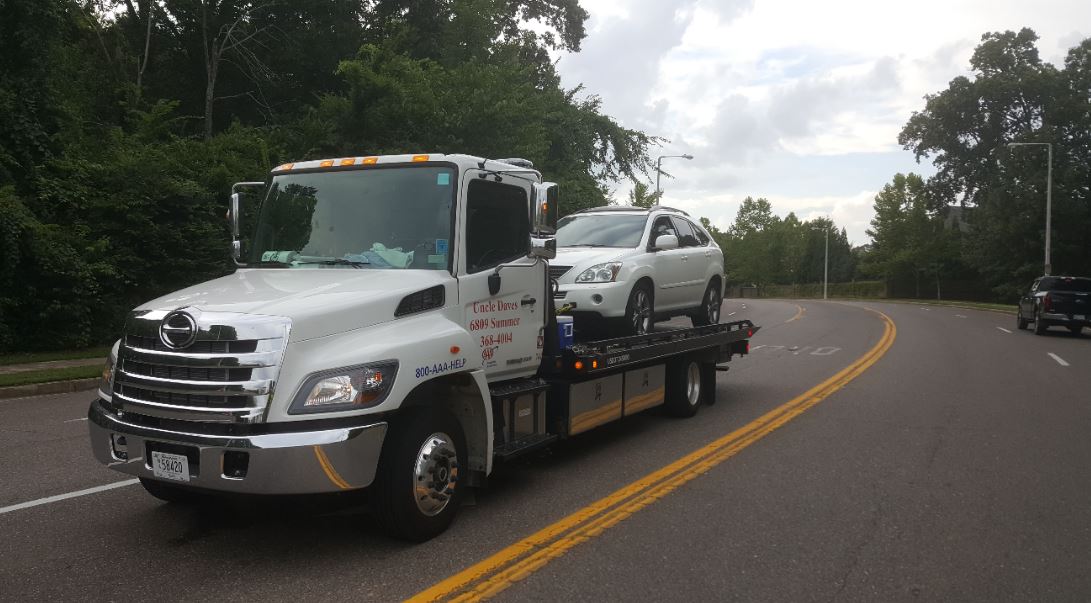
(45, 376)
(25, 357)
(1009, 308)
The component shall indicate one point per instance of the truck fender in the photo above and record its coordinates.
(466, 396)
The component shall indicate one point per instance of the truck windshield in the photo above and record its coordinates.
(396, 217)
(600, 230)
(1065, 283)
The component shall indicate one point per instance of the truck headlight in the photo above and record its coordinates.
(106, 383)
(600, 273)
(346, 388)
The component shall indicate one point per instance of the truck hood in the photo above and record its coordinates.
(319, 302)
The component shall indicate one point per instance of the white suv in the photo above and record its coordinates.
(633, 265)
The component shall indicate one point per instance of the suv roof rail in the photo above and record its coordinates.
(630, 208)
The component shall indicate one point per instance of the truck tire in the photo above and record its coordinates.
(709, 312)
(639, 311)
(416, 490)
(685, 388)
(169, 492)
(1020, 322)
(1039, 325)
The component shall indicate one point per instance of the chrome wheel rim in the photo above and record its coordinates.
(712, 307)
(693, 384)
(435, 474)
(642, 312)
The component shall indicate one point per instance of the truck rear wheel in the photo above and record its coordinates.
(686, 388)
(1039, 325)
(1020, 322)
(417, 491)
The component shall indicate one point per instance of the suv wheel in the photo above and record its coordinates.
(640, 311)
(709, 312)
(1039, 325)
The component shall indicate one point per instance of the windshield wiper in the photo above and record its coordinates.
(588, 245)
(336, 262)
(268, 264)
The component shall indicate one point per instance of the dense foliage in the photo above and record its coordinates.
(126, 121)
(1000, 191)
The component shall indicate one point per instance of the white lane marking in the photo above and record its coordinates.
(732, 314)
(926, 309)
(60, 497)
(1059, 360)
(960, 315)
(74, 420)
(1004, 330)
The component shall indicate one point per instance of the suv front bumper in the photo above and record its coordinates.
(295, 462)
(605, 299)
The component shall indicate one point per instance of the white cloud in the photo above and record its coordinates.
(795, 100)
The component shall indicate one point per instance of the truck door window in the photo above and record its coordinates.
(497, 224)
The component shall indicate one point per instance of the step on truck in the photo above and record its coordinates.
(390, 327)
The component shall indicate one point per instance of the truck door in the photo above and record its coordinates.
(507, 326)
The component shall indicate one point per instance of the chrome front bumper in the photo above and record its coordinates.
(298, 462)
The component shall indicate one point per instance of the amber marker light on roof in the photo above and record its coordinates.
(283, 168)
(419, 158)
(370, 160)
(326, 163)
(349, 161)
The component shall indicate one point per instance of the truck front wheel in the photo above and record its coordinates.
(417, 490)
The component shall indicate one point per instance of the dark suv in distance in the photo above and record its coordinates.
(1056, 301)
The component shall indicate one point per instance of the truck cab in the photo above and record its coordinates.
(390, 326)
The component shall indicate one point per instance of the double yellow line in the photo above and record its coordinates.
(501, 570)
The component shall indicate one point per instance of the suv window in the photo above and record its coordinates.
(686, 236)
(701, 236)
(662, 226)
(497, 224)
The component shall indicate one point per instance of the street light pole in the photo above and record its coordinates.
(1049, 194)
(659, 170)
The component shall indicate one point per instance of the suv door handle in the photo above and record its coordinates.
(528, 301)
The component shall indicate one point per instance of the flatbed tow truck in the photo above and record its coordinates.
(385, 335)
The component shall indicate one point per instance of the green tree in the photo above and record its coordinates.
(640, 197)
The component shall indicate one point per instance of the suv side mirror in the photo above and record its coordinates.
(233, 213)
(665, 242)
(546, 208)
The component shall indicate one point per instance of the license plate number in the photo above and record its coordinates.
(170, 466)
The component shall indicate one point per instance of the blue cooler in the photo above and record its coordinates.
(564, 332)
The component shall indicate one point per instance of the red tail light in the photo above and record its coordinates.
(1047, 303)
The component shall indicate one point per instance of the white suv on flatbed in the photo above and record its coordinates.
(634, 266)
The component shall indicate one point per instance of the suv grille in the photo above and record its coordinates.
(558, 271)
(226, 375)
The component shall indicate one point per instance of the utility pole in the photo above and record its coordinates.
(659, 170)
(1049, 194)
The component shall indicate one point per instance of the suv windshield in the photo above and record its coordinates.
(600, 230)
(397, 217)
(1058, 283)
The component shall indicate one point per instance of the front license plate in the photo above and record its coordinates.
(170, 466)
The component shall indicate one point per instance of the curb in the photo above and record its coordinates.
(53, 387)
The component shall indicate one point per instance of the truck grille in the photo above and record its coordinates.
(558, 271)
(226, 374)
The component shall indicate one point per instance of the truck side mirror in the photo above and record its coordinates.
(546, 209)
(543, 248)
(233, 215)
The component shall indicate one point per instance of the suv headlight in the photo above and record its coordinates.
(106, 383)
(600, 273)
(346, 388)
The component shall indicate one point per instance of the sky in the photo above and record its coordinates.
(797, 101)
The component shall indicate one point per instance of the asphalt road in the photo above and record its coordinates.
(954, 468)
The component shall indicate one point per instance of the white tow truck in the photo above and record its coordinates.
(393, 328)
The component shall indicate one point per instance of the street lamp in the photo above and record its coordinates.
(1049, 191)
(825, 264)
(659, 170)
